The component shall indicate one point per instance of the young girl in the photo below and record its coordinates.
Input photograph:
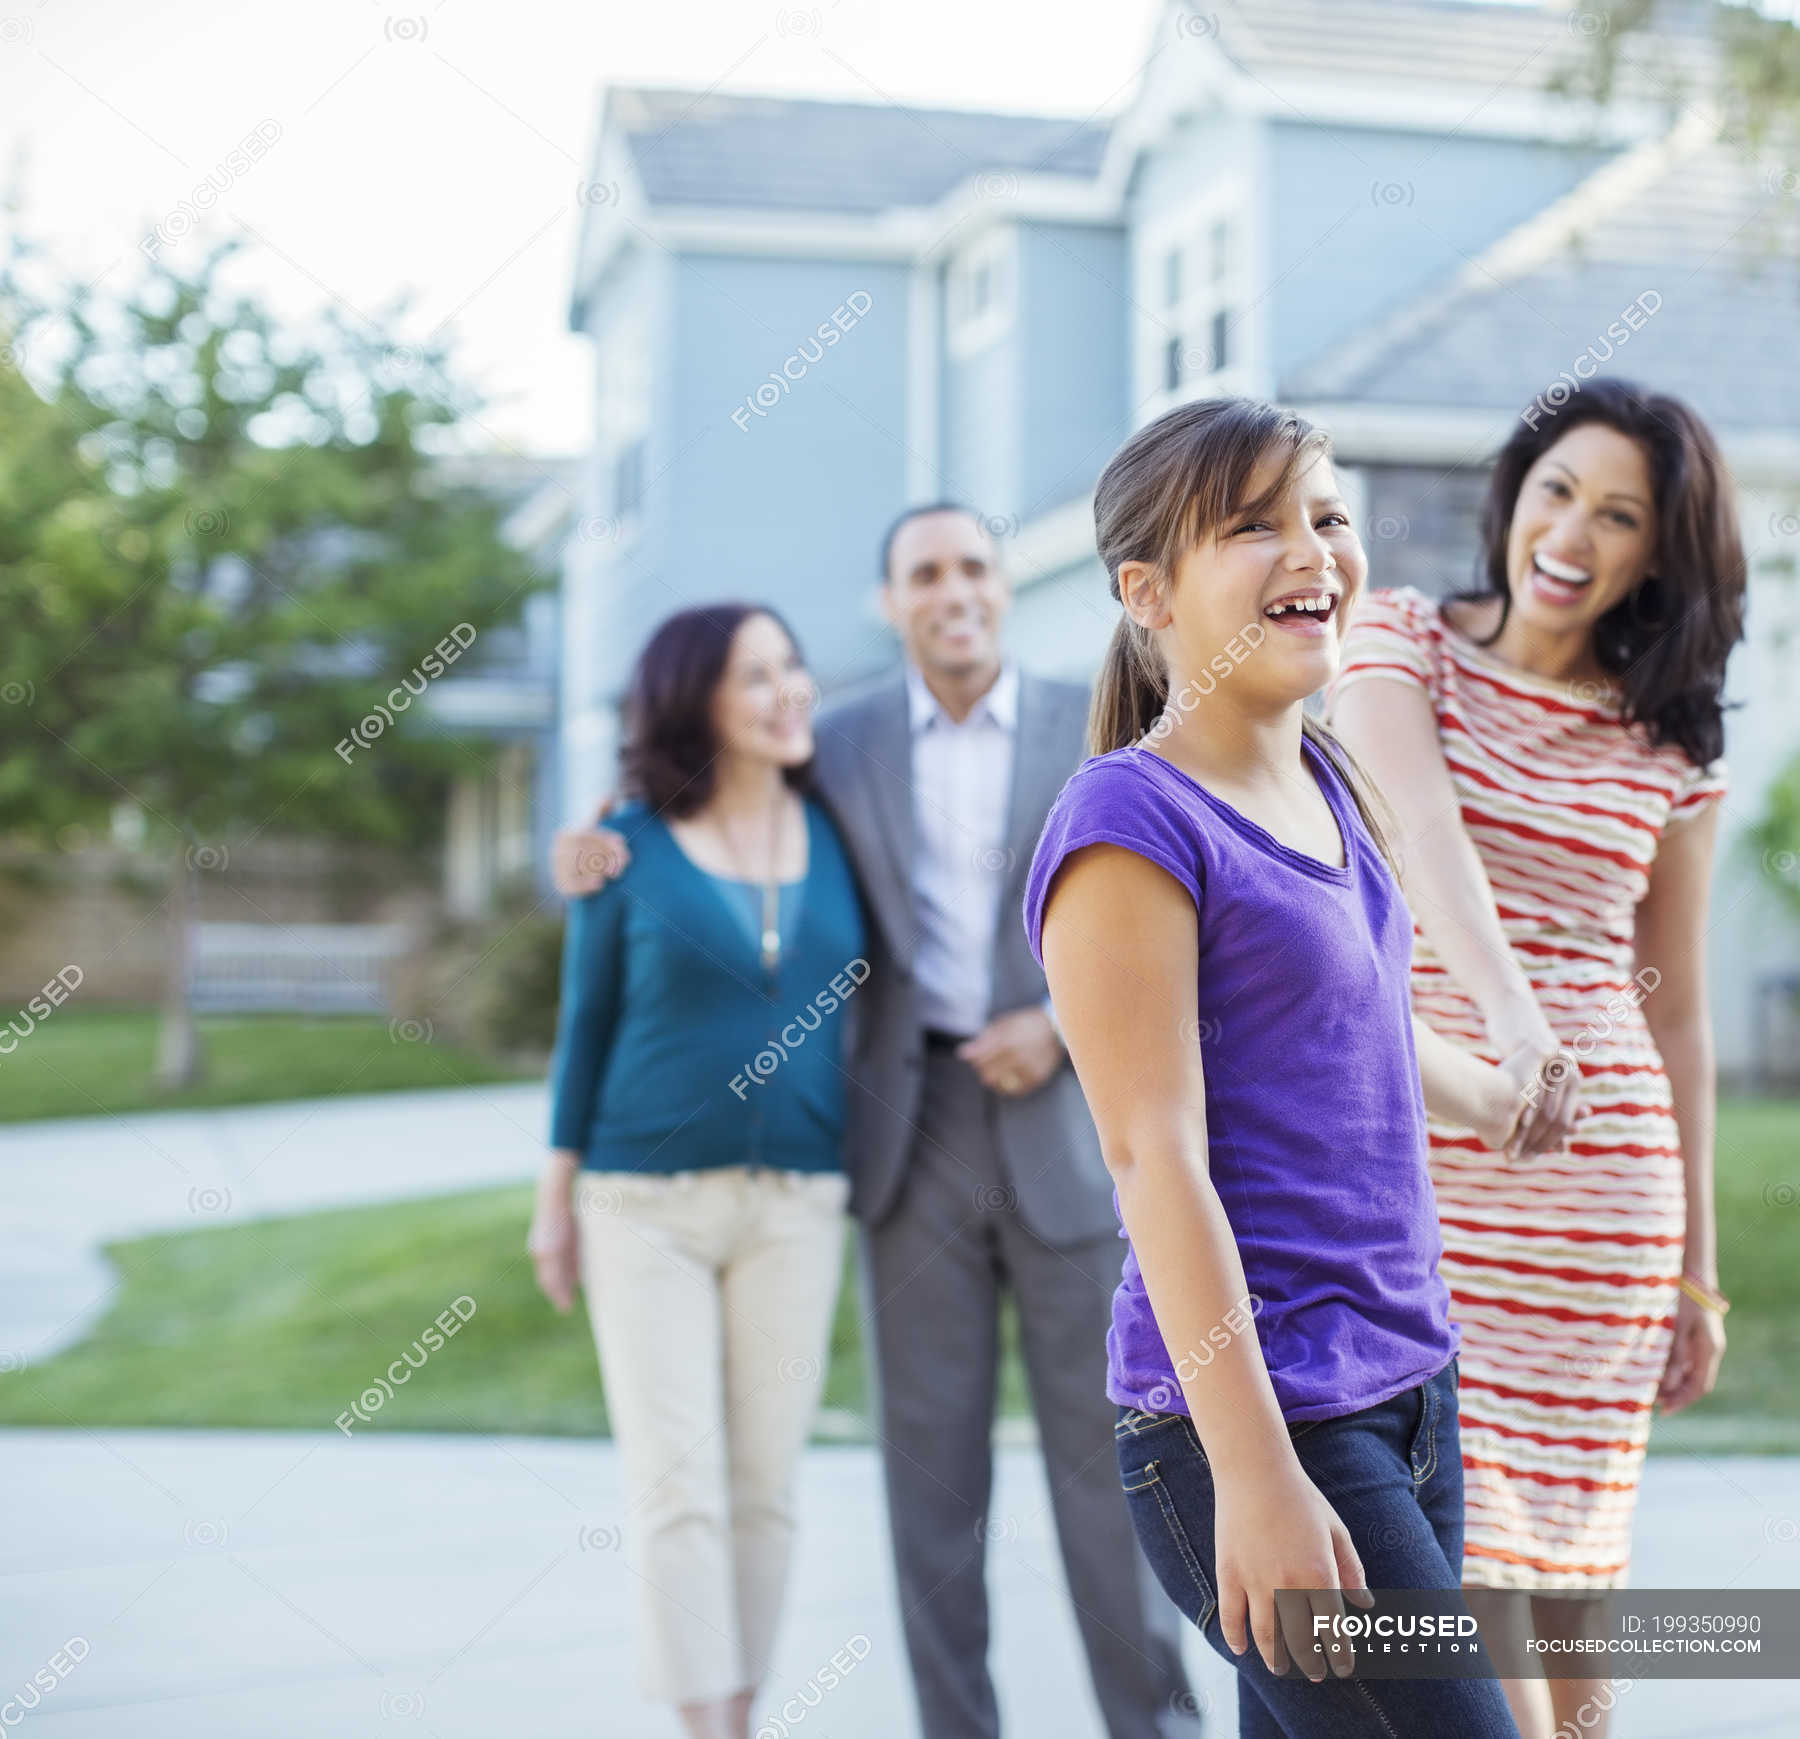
(1227, 950)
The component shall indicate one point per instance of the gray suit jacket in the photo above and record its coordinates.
(863, 765)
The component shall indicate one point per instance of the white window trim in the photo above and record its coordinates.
(622, 398)
(622, 407)
(997, 251)
(1189, 229)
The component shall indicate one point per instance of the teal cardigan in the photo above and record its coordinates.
(675, 1051)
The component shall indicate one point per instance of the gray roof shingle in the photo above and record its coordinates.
(785, 154)
(1472, 43)
(1714, 236)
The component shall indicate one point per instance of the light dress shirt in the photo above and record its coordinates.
(962, 786)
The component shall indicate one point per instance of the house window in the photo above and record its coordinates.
(623, 413)
(628, 482)
(1221, 250)
(1195, 332)
(980, 292)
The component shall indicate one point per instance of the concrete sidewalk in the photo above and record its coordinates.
(69, 1184)
(295, 1585)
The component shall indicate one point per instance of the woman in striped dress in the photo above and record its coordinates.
(1550, 746)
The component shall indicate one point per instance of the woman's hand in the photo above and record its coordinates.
(1273, 1529)
(553, 1241)
(1694, 1356)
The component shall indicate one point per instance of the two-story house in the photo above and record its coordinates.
(1401, 216)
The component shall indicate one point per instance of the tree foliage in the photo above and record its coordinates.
(222, 541)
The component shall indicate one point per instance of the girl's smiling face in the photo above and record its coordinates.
(1270, 590)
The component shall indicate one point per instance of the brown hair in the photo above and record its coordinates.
(1667, 640)
(1177, 481)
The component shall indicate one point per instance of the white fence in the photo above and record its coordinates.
(293, 968)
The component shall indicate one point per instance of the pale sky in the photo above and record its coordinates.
(436, 145)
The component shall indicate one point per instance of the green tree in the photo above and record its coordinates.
(224, 544)
(1776, 836)
(1756, 56)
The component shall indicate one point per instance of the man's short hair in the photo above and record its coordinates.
(912, 513)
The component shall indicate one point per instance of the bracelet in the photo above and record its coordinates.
(1707, 1296)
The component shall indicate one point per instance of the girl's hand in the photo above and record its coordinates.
(1694, 1356)
(1274, 1530)
(553, 1242)
(1549, 1080)
(1506, 1104)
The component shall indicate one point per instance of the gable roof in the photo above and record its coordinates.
(1437, 42)
(697, 148)
(1689, 218)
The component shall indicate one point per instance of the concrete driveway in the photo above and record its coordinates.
(294, 1585)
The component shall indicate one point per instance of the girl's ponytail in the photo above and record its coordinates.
(1130, 692)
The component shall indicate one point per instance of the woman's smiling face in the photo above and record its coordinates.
(1583, 530)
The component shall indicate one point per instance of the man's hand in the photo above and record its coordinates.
(1014, 1053)
(584, 859)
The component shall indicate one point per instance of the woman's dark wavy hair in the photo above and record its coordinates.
(670, 748)
(1666, 641)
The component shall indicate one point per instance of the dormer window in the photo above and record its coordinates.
(1191, 341)
(981, 292)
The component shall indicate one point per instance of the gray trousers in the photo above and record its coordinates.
(933, 1273)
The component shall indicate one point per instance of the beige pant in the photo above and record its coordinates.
(711, 1296)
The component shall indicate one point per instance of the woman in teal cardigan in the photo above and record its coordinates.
(695, 1184)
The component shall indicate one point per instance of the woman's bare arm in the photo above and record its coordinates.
(1120, 945)
(1671, 943)
(1390, 728)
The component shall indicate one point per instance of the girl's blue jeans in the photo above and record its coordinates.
(1393, 1473)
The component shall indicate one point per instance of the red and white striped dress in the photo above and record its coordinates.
(1562, 1267)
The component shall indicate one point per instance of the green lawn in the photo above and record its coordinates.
(284, 1323)
(1758, 1189)
(94, 1062)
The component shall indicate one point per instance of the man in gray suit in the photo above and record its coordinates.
(975, 1167)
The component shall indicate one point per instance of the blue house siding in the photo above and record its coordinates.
(612, 561)
(1189, 158)
(785, 506)
(1075, 402)
(1365, 220)
(1061, 623)
(982, 458)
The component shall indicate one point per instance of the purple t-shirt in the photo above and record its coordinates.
(1315, 1117)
